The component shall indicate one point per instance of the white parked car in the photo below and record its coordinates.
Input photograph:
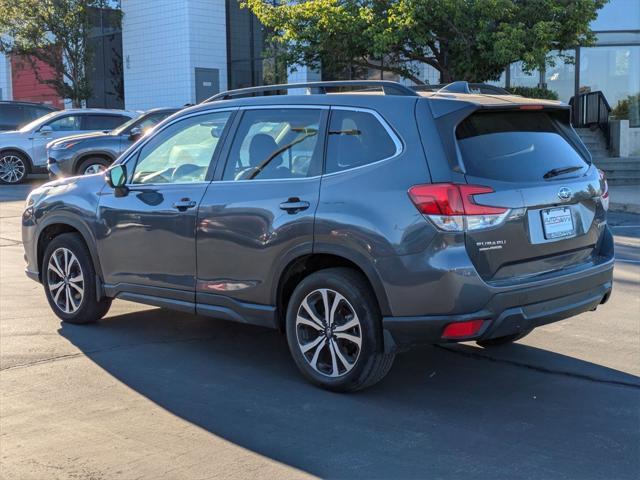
(23, 151)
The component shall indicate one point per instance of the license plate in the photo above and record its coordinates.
(557, 222)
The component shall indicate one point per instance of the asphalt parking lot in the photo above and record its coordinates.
(153, 394)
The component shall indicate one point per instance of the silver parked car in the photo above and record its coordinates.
(23, 151)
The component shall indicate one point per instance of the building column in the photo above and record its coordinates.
(5, 78)
(302, 74)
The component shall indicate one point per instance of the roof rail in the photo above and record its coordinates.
(388, 87)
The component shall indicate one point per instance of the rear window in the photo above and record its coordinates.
(356, 139)
(515, 146)
(15, 116)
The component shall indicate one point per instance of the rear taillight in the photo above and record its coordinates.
(604, 197)
(605, 187)
(452, 207)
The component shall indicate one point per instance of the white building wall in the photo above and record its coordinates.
(208, 37)
(5, 78)
(163, 42)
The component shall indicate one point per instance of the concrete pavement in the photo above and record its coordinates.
(625, 198)
(153, 394)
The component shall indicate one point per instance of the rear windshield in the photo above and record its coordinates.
(516, 146)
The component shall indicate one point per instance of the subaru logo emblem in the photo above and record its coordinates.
(565, 193)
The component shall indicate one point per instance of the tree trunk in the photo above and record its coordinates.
(446, 76)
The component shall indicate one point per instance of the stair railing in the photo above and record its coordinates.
(591, 108)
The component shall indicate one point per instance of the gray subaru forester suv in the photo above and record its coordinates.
(360, 224)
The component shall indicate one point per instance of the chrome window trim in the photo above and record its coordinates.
(267, 180)
(390, 131)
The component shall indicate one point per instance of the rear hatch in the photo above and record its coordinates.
(542, 175)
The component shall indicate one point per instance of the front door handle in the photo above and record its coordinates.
(184, 204)
(294, 205)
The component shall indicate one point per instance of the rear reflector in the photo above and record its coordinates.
(462, 329)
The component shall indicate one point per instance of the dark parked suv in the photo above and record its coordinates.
(359, 224)
(14, 115)
(93, 152)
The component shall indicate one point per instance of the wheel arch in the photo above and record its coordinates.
(58, 225)
(92, 154)
(302, 265)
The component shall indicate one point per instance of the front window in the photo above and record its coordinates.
(69, 123)
(183, 152)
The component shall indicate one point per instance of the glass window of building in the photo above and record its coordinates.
(520, 78)
(560, 75)
(613, 70)
(247, 50)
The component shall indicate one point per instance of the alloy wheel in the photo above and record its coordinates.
(12, 169)
(94, 168)
(329, 333)
(65, 280)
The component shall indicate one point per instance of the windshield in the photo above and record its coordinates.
(38, 122)
(144, 123)
(122, 128)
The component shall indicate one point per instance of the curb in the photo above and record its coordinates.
(624, 208)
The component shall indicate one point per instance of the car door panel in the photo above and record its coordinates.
(243, 232)
(245, 227)
(147, 235)
(62, 127)
(146, 240)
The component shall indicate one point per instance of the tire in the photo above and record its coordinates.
(14, 167)
(73, 301)
(332, 360)
(507, 339)
(94, 162)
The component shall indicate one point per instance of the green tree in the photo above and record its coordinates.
(471, 40)
(55, 32)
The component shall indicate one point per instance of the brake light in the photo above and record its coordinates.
(453, 207)
(531, 107)
(462, 329)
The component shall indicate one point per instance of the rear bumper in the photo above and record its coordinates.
(510, 312)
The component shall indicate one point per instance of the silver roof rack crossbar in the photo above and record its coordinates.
(388, 87)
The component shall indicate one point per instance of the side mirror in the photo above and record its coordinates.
(116, 177)
(45, 129)
(135, 134)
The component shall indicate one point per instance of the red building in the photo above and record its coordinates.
(25, 85)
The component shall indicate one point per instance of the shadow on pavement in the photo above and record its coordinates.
(438, 414)
(13, 193)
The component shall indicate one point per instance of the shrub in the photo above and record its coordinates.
(534, 92)
(621, 110)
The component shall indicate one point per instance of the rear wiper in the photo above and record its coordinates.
(559, 171)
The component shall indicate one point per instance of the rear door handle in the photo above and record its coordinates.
(184, 204)
(294, 205)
